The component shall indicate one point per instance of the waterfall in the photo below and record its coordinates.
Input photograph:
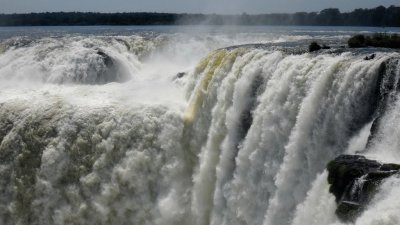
(92, 133)
(306, 109)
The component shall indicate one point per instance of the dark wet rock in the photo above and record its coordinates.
(180, 75)
(385, 93)
(357, 41)
(257, 86)
(124, 42)
(314, 46)
(110, 72)
(354, 180)
(108, 61)
(326, 47)
(369, 57)
(376, 40)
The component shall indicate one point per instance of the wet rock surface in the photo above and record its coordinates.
(354, 180)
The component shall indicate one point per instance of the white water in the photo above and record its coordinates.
(242, 138)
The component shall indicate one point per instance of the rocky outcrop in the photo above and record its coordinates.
(376, 40)
(314, 46)
(354, 180)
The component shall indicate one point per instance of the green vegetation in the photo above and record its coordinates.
(376, 40)
(380, 16)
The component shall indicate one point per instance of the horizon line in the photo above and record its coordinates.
(190, 13)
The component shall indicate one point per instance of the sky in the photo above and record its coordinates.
(188, 6)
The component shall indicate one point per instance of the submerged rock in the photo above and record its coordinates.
(180, 75)
(354, 180)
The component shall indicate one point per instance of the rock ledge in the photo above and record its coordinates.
(354, 180)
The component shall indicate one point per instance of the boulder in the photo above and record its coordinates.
(354, 180)
(314, 46)
(370, 57)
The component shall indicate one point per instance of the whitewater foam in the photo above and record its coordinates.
(243, 137)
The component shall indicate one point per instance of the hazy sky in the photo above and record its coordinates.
(190, 6)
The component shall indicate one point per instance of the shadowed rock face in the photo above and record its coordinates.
(353, 180)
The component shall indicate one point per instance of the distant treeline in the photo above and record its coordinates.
(380, 16)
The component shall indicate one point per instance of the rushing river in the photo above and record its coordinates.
(190, 125)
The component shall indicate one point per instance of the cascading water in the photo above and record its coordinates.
(101, 130)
